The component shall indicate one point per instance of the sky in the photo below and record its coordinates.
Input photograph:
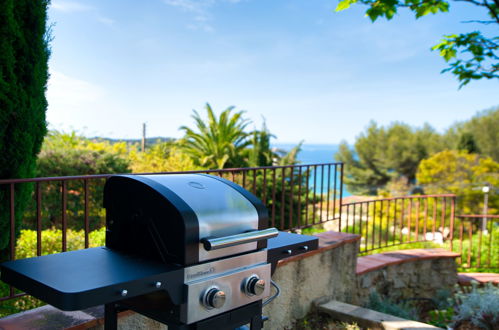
(311, 73)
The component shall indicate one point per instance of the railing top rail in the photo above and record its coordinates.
(478, 216)
(401, 197)
(103, 176)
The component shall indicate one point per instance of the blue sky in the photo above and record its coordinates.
(313, 74)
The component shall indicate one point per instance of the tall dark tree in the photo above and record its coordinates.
(24, 53)
(467, 143)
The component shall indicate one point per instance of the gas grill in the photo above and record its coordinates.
(192, 251)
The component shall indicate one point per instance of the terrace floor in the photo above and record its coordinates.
(467, 278)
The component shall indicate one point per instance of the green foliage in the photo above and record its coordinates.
(66, 154)
(51, 243)
(479, 60)
(288, 211)
(388, 8)
(473, 55)
(290, 157)
(224, 143)
(18, 304)
(462, 174)
(161, 157)
(382, 154)
(387, 306)
(441, 317)
(283, 191)
(483, 128)
(260, 153)
(484, 255)
(218, 142)
(480, 307)
(467, 143)
(24, 54)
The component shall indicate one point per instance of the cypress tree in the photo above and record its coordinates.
(24, 53)
(467, 143)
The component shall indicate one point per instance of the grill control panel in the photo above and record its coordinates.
(223, 285)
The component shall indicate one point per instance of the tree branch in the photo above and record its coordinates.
(487, 5)
(491, 10)
(479, 21)
(473, 2)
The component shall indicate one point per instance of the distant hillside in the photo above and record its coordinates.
(149, 141)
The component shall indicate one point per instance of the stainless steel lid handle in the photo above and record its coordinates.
(215, 243)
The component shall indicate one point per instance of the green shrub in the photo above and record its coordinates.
(387, 306)
(480, 307)
(52, 241)
(441, 317)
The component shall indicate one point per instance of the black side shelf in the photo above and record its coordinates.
(80, 279)
(287, 244)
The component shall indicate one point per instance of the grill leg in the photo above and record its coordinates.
(256, 322)
(110, 317)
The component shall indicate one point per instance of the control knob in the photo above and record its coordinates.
(254, 285)
(213, 298)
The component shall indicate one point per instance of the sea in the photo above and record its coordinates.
(315, 154)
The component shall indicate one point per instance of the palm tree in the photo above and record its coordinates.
(261, 153)
(218, 142)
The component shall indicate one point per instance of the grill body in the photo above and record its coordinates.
(192, 251)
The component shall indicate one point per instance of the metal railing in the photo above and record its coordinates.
(296, 196)
(479, 248)
(394, 221)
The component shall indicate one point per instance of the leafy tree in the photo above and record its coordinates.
(381, 155)
(218, 142)
(24, 54)
(66, 154)
(79, 161)
(471, 55)
(161, 157)
(463, 174)
(483, 128)
(261, 153)
(289, 157)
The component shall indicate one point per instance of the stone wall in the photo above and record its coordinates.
(329, 274)
(414, 277)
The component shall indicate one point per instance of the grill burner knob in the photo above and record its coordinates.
(253, 285)
(214, 298)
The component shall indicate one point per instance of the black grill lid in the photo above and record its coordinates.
(164, 217)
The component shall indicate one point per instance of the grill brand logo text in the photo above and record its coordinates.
(201, 273)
